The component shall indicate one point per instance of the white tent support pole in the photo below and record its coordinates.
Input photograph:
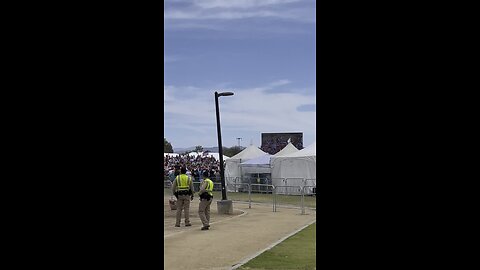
(303, 195)
(258, 182)
(274, 191)
(303, 200)
(249, 196)
(250, 181)
(241, 174)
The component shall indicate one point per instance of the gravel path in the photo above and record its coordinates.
(231, 238)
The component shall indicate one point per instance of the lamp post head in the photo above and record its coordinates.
(224, 94)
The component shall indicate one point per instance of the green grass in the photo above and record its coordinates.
(296, 252)
(294, 200)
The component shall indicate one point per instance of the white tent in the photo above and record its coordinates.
(310, 150)
(170, 154)
(294, 168)
(260, 164)
(217, 156)
(259, 161)
(257, 171)
(232, 165)
(208, 154)
(288, 149)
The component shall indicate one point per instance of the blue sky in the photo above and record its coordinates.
(264, 51)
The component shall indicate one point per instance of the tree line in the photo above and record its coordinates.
(227, 151)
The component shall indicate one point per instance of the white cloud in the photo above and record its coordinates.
(250, 111)
(208, 4)
(278, 83)
(303, 11)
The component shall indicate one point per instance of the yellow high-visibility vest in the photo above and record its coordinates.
(183, 182)
(209, 187)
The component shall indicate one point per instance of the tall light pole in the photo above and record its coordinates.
(220, 149)
(239, 142)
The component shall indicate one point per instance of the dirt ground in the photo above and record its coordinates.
(231, 238)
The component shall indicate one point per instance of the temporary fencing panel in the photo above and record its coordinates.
(304, 189)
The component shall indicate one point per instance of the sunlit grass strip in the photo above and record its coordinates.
(296, 252)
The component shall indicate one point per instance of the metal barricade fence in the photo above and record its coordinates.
(286, 187)
(294, 182)
(303, 197)
(260, 184)
(257, 187)
(196, 186)
(311, 187)
(283, 183)
(216, 179)
(249, 188)
(277, 181)
(217, 186)
(273, 194)
(310, 182)
(229, 181)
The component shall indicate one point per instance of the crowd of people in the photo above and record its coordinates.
(195, 166)
(273, 143)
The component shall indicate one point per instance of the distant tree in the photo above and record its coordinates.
(232, 151)
(167, 147)
(198, 148)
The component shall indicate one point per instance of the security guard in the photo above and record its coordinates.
(183, 189)
(206, 198)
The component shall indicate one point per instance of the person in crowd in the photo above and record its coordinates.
(191, 163)
(217, 175)
(196, 174)
(172, 174)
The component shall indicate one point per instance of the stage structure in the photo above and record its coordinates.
(272, 143)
